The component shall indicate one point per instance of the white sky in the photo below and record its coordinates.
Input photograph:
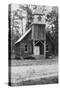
(16, 6)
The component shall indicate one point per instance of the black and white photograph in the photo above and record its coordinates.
(32, 44)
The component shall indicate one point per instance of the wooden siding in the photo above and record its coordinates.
(24, 53)
(38, 32)
(17, 50)
(20, 47)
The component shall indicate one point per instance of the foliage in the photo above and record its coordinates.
(52, 18)
(29, 16)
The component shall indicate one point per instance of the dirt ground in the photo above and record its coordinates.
(30, 72)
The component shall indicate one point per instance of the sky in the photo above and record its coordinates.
(15, 6)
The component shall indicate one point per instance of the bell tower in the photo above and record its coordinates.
(38, 31)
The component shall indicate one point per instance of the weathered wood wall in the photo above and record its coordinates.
(17, 51)
(38, 32)
(20, 47)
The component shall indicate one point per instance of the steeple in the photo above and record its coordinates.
(38, 16)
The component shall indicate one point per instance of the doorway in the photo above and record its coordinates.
(36, 50)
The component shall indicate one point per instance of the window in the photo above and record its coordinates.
(26, 48)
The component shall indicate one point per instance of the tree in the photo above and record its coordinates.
(15, 18)
(29, 15)
(52, 18)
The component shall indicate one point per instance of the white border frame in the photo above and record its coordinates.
(4, 43)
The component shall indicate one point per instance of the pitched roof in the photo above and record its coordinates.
(22, 37)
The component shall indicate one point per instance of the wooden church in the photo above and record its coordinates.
(35, 41)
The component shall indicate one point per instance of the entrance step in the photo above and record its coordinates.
(38, 57)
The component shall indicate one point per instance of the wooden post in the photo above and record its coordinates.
(33, 32)
(45, 43)
(44, 48)
(33, 46)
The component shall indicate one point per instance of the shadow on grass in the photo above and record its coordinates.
(49, 80)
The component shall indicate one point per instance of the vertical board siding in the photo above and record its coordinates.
(29, 49)
(17, 51)
(26, 41)
(38, 32)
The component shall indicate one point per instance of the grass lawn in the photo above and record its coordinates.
(33, 62)
(32, 72)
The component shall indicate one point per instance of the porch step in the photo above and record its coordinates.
(38, 57)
